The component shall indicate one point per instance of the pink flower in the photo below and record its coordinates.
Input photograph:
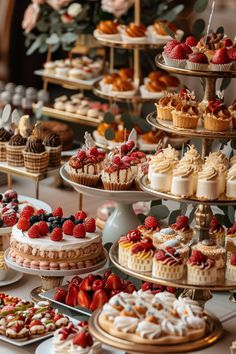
(58, 4)
(30, 17)
(117, 7)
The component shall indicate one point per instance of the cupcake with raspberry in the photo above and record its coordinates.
(141, 256)
(210, 249)
(150, 226)
(197, 61)
(232, 109)
(117, 175)
(220, 61)
(231, 268)
(217, 232)
(182, 228)
(201, 270)
(217, 117)
(125, 245)
(176, 57)
(86, 166)
(168, 264)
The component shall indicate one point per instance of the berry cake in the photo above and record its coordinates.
(53, 242)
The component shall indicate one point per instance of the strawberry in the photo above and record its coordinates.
(228, 43)
(151, 222)
(170, 289)
(17, 328)
(114, 292)
(71, 297)
(113, 282)
(90, 225)
(220, 57)
(83, 339)
(76, 280)
(187, 48)
(93, 151)
(233, 259)
(35, 323)
(81, 155)
(29, 209)
(200, 58)
(93, 277)
(129, 288)
(83, 324)
(43, 228)
(130, 144)
(56, 234)
(34, 232)
(58, 316)
(178, 52)
(107, 273)
(40, 212)
(124, 149)
(160, 255)
(23, 224)
(83, 299)
(68, 227)
(134, 235)
(116, 160)
(60, 295)
(232, 53)
(99, 299)
(26, 214)
(10, 194)
(191, 41)
(86, 284)
(80, 215)
(79, 231)
(146, 286)
(9, 218)
(170, 45)
(57, 212)
(98, 284)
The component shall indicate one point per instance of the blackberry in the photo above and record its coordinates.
(49, 215)
(72, 218)
(79, 221)
(58, 218)
(51, 219)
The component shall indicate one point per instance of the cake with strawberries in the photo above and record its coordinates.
(53, 242)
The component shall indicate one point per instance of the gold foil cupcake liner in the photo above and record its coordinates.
(54, 156)
(181, 120)
(36, 163)
(15, 155)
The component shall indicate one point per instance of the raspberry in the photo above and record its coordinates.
(57, 212)
(81, 155)
(80, 215)
(10, 194)
(170, 45)
(90, 225)
(56, 234)
(9, 218)
(178, 52)
(146, 286)
(151, 222)
(147, 243)
(23, 224)
(160, 255)
(170, 250)
(191, 41)
(220, 57)
(93, 151)
(34, 232)
(228, 43)
(26, 214)
(137, 247)
(68, 227)
(124, 148)
(198, 256)
(130, 144)
(29, 208)
(40, 212)
(79, 231)
(116, 160)
(187, 48)
(232, 53)
(182, 221)
(134, 235)
(43, 228)
(170, 289)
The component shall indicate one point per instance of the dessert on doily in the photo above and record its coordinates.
(153, 319)
(51, 241)
(80, 68)
(22, 320)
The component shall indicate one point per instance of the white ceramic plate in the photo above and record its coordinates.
(46, 347)
(13, 277)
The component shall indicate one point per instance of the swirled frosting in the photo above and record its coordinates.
(163, 166)
(17, 140)
(166, 299)
(4, 135)
(185, 305)
(149, 330)
(193, 322)
(52, 140)
(34, 145)
(187, 108)
(110, 312)
(125, 323)
(173, 326)
(208, 173)
(183, 170)
(192, 156)
(217, 157)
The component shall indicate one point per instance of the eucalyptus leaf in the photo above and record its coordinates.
(156, 202)
(141, 217)
(109, 134)
(169, 31)
(43, 48)
(34, 46)
(198, 27)
(143, 125)
(171, 14)
(107, 246)
(108, 117)
(159, 211)
(55, 47)
(231, 213)
(223, 219)
(220, 30)
(69, 37)
(42, 26)
(183, 208)
(225, 83)
(125, 117)
(173, 215)
(53, 39)
(200, 5)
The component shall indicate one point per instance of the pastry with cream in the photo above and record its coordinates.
(168, 263)
(166, 105)
(217, 117)
(201, 270)
(184, 231)
(207, 185)
(125, 245)
(141, 257)
(231, 183)
(185, 115)
(182, 184)
(210, 249)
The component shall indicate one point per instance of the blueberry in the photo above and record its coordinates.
(16, 208)
(1, 222)
(72, 218)
(80, 221)
(51, 219)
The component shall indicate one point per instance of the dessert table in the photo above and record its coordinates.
(219, 305)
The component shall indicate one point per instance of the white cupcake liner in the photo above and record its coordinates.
(220, 67)
(99, 35)
(197, 66)
(177, 63)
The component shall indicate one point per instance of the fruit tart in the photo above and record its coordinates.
(168, 264)
(141, 257)
(184, 231)
(217, 117)
(108, 30)
(197, 61)
(231, 268)
(134, 33)
(217, 232)
(166, 105)
(201, 270)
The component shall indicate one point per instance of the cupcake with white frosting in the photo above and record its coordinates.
(183, 180)
(231, 183)
(161, 176)
(207, 185)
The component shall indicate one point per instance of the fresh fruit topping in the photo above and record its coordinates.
(200, 58)
(114, 282)
(137, 247)
(232, 229)
(187, 48)
(215, 106)
(81, 155)
(178, 52)
(116, 160)
(107, 273)
(160, 255)
(215, 224)
(23, 224)
(40, 212)
(151, 222)
(43, 228)
(17, 328)
(76, 280)
(79, 231)
(134, 235)
(56, 234)
(233, 259)
(80, 215)
(71, 297)
(9, 218)
(35, 323)
(98, 284)
(86, 284)
(29, 209)
(99, 299)
(60, 295)
(57, 212)
(129, 288)
(182, 222)
(170, 45)
(90, 225)
(197, 257)
(170, 289)
(146, 286)
(191, 41)
(92, 278)
(10, 194)
(228, 43)
(68, 227)
(83, 339)
(83, 299)
(83, 324)
(130, 144)
(232, 53)
(147, 243)
(93, 151)
(34, 231)
(170, 250)
(220, 57)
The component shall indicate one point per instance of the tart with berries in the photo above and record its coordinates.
(231, 268)
(201, 269)
(217, 232)
(197, 61)
(125, 245)
(168, 263)
(141, 256)
(217, 117)
(52, 241)
(182, 228)
(86, 166)
(221, 61)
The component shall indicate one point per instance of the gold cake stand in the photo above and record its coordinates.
(214, 333)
